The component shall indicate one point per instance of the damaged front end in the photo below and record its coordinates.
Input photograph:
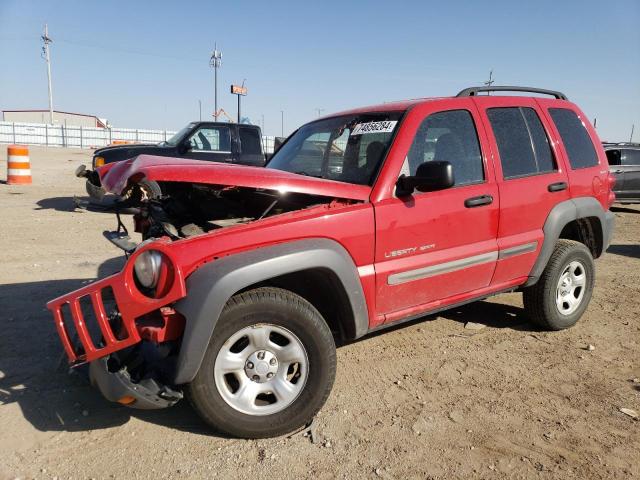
(126, 331)
(125, 325)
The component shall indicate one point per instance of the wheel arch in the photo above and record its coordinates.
(582, 219)
(323, 289)
(285, 265)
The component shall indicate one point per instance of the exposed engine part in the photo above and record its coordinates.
(186, 210)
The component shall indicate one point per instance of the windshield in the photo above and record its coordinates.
(349, 148)
(173, 141)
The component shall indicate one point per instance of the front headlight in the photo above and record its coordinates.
(98, 162)
(147, 268)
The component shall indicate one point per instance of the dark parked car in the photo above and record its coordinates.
(624, 163)
(211, 141)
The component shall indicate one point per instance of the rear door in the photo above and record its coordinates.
(250, 146)
(531, 179)
(433, 246)
(630, 164)
(210, 142)
(581, 148)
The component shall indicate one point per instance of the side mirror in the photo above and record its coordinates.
(429, 177)
(184, 147)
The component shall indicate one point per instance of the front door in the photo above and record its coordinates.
(211, 143)
(434, 245)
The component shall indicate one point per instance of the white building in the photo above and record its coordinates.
(59, 118)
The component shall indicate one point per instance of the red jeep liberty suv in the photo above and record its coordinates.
(246, 277)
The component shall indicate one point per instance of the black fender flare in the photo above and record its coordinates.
(561, 215)
(210, 287)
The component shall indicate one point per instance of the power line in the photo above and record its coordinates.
(112, 48)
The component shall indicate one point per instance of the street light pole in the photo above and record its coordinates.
(282, 123)
(45, 51)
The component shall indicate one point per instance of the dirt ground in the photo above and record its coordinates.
(423, 401)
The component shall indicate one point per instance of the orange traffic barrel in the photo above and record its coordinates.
(18, 165)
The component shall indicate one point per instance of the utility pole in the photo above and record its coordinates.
(45, 53)
(215, 62)
(200, 108)
(262, 123)
(319, 110)
(282, 123)
(491, 81)
(633, 126)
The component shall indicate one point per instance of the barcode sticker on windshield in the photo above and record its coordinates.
(374, 127)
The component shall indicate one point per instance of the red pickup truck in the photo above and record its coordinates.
(247, 277)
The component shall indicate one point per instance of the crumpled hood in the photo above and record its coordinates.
(166, 169)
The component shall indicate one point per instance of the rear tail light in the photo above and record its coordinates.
(611, 181)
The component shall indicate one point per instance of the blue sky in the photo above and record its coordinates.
(145, 64)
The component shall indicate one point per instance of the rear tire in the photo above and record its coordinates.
(263, 337)
(562, 294)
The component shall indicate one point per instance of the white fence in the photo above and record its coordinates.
(86, 137)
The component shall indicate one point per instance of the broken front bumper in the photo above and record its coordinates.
(118, 387)
(114, 330)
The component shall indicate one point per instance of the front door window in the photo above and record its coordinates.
(211, 139)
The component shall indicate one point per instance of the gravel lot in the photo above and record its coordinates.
(429, 400)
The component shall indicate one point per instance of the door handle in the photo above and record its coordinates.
(557, 187)
(478, 201)
(618, 171)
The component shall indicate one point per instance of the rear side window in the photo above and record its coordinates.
(630, 157)
(450, 136)
(522, 142)
(250, 141)
(575, 137)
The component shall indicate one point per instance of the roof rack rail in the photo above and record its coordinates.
(473, 91)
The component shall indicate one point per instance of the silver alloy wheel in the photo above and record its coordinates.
(571, 287)
(261, 369)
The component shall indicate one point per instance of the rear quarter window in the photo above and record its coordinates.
(250, 141)
(575, 137)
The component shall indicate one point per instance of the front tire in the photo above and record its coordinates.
(269, 366)
(562, 294)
